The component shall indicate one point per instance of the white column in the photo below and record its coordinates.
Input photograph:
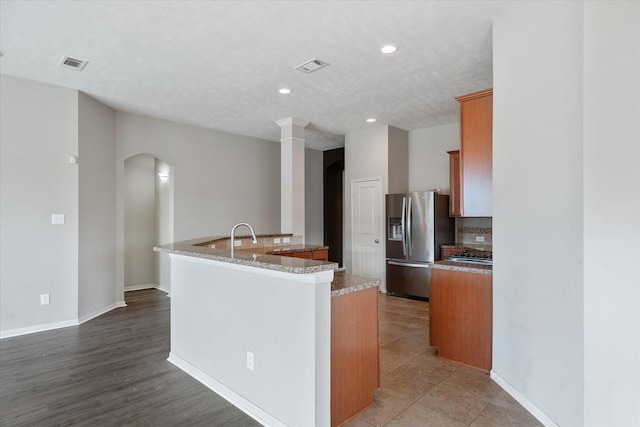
(292, 175)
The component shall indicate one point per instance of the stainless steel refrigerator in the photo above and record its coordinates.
(417, 224)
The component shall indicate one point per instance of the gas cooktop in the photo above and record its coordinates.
(471, 258)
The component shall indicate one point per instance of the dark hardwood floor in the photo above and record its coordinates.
(109, 371)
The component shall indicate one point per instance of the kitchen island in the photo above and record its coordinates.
(259, 330)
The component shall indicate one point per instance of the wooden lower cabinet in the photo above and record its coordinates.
(318, 255)
(305, 254)
(355, 371)
(461, 316)
(321, 255)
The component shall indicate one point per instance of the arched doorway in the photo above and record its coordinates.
(148, 221)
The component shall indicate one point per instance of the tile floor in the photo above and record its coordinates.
(419, 389)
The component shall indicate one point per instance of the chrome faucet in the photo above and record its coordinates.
(233, 236)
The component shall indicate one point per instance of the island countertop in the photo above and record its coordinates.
(462, 266)
(269, 258)
(344, 283)
(259, 256)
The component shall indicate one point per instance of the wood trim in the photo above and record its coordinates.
(473, 95)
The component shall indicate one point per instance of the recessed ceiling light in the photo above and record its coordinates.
(284, 90)
(388, 49)
(371, 120)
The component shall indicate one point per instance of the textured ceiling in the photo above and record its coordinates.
(220, 64)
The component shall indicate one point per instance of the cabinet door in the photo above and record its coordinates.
(476, 121)
(454, 183)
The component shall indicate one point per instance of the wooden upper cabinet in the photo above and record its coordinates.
(476, 122)
(454, 183)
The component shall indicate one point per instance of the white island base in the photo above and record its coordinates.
(221, 311)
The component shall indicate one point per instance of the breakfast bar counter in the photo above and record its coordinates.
(260, 256)
(253, 322)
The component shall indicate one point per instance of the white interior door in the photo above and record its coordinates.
(366, 228)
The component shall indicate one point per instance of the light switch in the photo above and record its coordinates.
(57, 219)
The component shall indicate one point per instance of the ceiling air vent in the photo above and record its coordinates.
(311, 66)
(76, 64)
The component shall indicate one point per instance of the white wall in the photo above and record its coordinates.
(313, 193)
(398, 158)
(428, 158)
(97, 213)
(612, 213)
(219, 178)
(219, 311)
(379, 152)
(566, 162)
(139, 220)
(366, 155)
(38, 133)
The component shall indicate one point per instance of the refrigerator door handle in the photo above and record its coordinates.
(409, 240)
(408, 264)
(402, 222)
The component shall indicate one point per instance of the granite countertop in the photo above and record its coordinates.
(463, 266)
(256, 258)
(346, 283)
(291, 248)
(266, 257)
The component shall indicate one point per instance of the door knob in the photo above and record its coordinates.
(377, 241)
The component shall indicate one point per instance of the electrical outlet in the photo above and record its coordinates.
(44, 299)
(57, 219)
(249, 360)
(237, 243)
(286, 240)
(276, 240)
(479, 238)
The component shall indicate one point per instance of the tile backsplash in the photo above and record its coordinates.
(467, 229)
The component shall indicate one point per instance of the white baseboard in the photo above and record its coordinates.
(141, 287)
(38, 328)
(521, 399)
(100, 311)
(148, 286)
(57, 325)
(231, 396)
